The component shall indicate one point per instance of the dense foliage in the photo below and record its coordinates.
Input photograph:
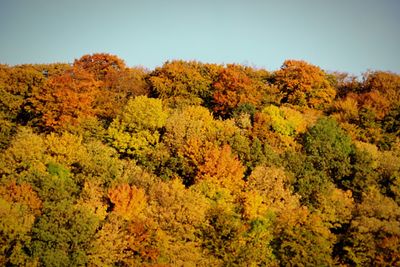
(196, 164)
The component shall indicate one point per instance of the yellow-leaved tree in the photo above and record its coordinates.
(135, 132)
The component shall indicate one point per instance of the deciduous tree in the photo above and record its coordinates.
(304, 84)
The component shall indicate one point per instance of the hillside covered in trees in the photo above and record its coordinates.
(196, 164)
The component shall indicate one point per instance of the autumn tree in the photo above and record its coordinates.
(101, 65)
(274, 188)
(128, 202)
(179, 213)
(117, 82)
(25, 155)
(234, 87)
(16, 86)
(389, 171)
(65, 98)
(336, 207)
(19, 208)
(62, 234)
(52, 69)
(284, 120)
(363, 171)
(387, 83)
(229, 241)
(304, 84)
(136, 131)
(374, 233)
(301, 238)
(188, 123)
(180, 82)
(190, 131)
(226, 166)
(345, 83)
(222, 168)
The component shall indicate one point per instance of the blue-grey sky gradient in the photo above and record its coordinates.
(344, 35)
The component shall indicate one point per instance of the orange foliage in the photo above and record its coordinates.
(304, 84)
(100, 65)
(140, 237)
(118, 88)
(22, 194)
(260, 126)
(117, 82)
(235, 87)
(375, 101)
(386, 82)
(128, 201)
(222, 168)
(65, 98)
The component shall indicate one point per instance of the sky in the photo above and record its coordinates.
(338, 35)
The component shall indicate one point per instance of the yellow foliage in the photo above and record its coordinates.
(285, 120)
(371, 149)
(178, 213)
(254, 206)
(217, 195)
(92, 197)
(271, 184)
(181, 82)
(66, 148)
(129, 201)
(108, 246)
(176, 208)
(135, 131)
(26, 153)
(295, 119)
(337, 207)
(191, 122)
(347, 108)
(222, 168)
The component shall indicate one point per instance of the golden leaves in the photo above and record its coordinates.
(22, 194)
(128, 201)
(222, 168)
(304, 84)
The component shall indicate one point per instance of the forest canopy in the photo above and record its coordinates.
(198, 164)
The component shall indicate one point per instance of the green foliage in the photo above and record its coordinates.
(308, 181)
(364, 174)
(329, 149)
(62, 234)
(303, 240)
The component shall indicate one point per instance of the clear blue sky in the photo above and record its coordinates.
(345, 35)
